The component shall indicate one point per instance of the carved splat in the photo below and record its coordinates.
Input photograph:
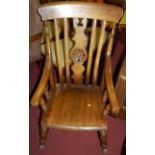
(77, 69)
(78, 53)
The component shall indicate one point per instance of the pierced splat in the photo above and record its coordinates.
(77, 76)
(78, 53)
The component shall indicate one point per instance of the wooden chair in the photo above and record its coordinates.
(76, 96)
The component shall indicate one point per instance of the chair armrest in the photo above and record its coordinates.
(35, 100)
(115, 107)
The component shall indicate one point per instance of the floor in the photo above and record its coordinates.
(60, 142)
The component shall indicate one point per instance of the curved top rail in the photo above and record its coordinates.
(80, 9)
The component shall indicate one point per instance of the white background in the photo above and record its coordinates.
(14, 77)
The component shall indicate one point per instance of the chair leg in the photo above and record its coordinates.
(103, 140)
(43, 135)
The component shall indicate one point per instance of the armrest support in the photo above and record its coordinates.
(115, 107)
(35, 100)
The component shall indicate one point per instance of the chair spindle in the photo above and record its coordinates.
(91, 50)
(58, 54)
(66, 50)
(99, 49)
(110, 44)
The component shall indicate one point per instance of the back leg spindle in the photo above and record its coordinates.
(43, 135)
(103, 140)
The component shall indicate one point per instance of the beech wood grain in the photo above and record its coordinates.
(80, 9)
(75, 108)
(115, 107)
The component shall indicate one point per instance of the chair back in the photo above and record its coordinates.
(78, 32)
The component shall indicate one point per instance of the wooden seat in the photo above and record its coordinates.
(81, 108)
(77, 90)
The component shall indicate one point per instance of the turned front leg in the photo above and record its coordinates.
(103, 140)
(43, 135)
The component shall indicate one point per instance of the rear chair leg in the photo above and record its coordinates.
(43, 135)
(103, 140)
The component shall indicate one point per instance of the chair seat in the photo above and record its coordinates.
(75, 108)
